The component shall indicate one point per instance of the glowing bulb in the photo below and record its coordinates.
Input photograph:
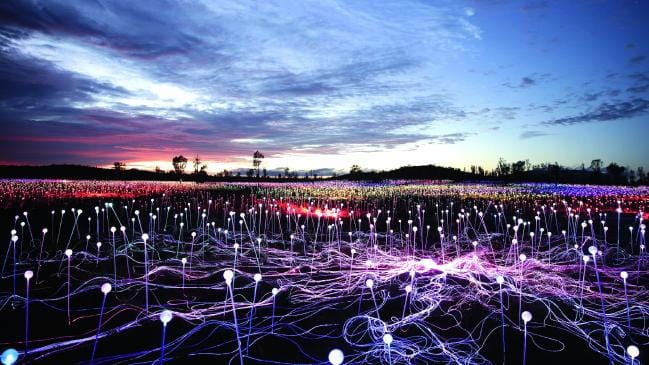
(68, 252)
(387, 339)
(29, 274)
(369, 283)
(274, 291)
(113, 229)
(227, 275)
(522, 257)
(145, 236)
(408, 288)
(9, 357)
(633, 351)
(257, 277)
(592, 250)
(336, 357)
(624, 275)
(183, 260)
(165, 317)
(106, 288)
(526, 316)
(500, 279)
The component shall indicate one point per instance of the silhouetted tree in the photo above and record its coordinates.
(158, 170)
(554, 170)
(615, 172)
(642, 178)
(180, 163)
(518, 168)
(197, 164)
(250, 172)
(502, 169)
(355, 170)
(200, 170)
(118, 166)
(264, 173)
(287, 172)
(257, 157)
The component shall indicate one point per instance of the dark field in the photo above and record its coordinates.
(433, 252)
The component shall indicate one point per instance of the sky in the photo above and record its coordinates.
(322, 85)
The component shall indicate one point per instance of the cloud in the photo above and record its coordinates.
(525, 82)
(607, 112)
(637, 59)
(640, 83)
(533, 134)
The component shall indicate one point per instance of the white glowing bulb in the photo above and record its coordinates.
(227, 275)
(29, 274)
(257, 277)
(165, 317)
(336, 357)
(526, 316)
(106, 288)
(387, 339)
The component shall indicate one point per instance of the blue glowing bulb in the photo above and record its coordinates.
(9, 357)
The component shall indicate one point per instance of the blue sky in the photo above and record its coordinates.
(324, 84)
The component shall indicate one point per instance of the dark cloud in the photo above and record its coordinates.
(525, 82)
(26, 82)
(640, 83)
(607, 112)
(637, 59)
